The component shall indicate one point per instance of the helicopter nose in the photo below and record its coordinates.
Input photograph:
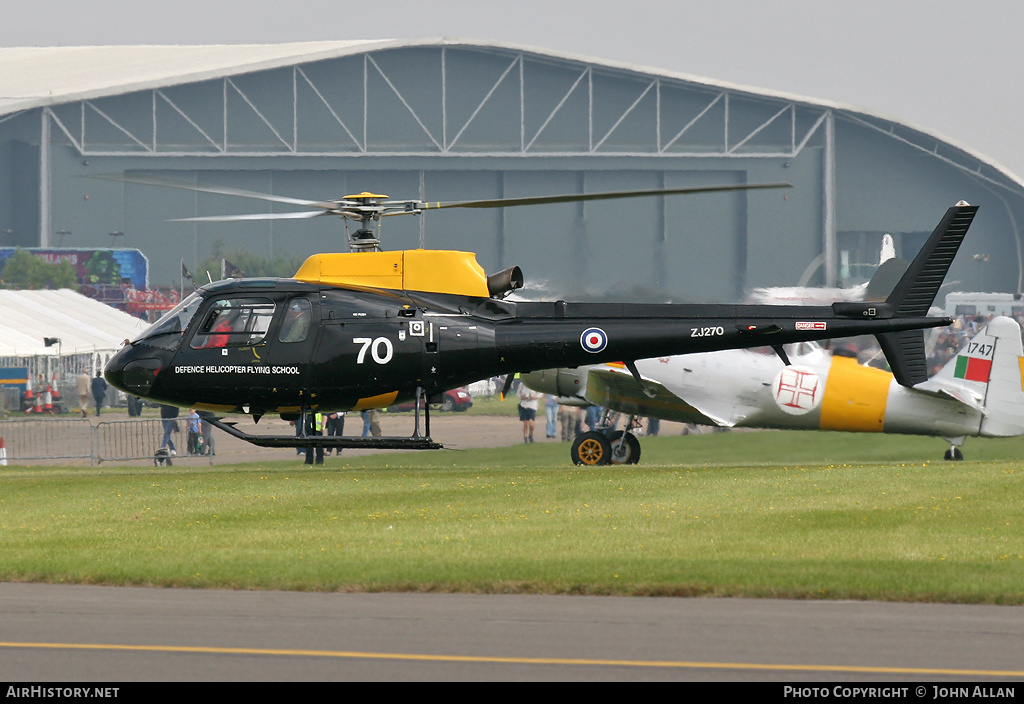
(132, 372)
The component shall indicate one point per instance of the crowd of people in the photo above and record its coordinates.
(199, 438)
(565, 422)
(329, 424)
(952, 339)
(941, 345)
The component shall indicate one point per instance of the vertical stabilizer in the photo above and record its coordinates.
(915, 291)
(987, 372)
(1004, 402)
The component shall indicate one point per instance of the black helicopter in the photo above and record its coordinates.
(371, 328)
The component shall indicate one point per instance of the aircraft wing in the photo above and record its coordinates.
(620, 391)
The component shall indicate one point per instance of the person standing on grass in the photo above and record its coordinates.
(335, 426)
(82, 382)
(551, 415)
(168, 415)
(192, 423)
(207, 432)
(527, 410)
(315, 428)
(99, 390)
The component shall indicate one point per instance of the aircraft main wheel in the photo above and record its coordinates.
(953, 454)
(591, 449)
(626, 452)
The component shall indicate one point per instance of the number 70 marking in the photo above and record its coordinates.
(374, 345)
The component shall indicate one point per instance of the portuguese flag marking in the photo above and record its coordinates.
(973, 369)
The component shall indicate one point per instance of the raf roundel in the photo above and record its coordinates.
(593, 339)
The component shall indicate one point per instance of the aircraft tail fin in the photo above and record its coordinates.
(1004, 401)
(915, 291)
(890, 269)
(913, 294)
(988, 373)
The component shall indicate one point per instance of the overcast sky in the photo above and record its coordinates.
(954, 68)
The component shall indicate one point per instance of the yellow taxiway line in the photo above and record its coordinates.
(519, 660)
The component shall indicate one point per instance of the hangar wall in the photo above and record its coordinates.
(441, 122)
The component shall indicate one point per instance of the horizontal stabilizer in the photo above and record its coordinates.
(937, 386)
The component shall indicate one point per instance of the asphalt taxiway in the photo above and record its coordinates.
(66, 633)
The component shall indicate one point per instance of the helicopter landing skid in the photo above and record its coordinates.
(328, 441)
(377, 442)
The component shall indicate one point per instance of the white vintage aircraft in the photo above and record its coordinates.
(889, 270)
(979, 392)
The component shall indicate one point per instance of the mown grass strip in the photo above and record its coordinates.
(743, 523)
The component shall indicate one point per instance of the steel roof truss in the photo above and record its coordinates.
(515, 62)
(229, 82)
(117, 126)
(790, 108)
(622, 117)
(404, 102)
(287, 137)
(330, 109)
(721, 96)
(584, 74)
(184, 115)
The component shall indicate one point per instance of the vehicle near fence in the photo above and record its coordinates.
(453, 400)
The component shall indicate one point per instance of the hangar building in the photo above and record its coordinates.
(444, 120)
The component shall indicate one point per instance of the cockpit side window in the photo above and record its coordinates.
(166, 332)
(295, 327)
(234, 322)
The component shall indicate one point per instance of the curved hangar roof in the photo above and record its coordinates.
(396, 107)
(33, 77)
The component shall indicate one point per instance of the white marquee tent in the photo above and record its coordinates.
(89, 333)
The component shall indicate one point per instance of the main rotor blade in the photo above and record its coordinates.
(254, 216)
(216, 190)
(573, 198)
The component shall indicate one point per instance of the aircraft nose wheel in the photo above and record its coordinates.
(591, 449)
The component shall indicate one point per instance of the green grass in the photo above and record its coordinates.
(770, 514)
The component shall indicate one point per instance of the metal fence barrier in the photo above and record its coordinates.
(11, 398)
(121, 440)
(58, 439)
(47, 439)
